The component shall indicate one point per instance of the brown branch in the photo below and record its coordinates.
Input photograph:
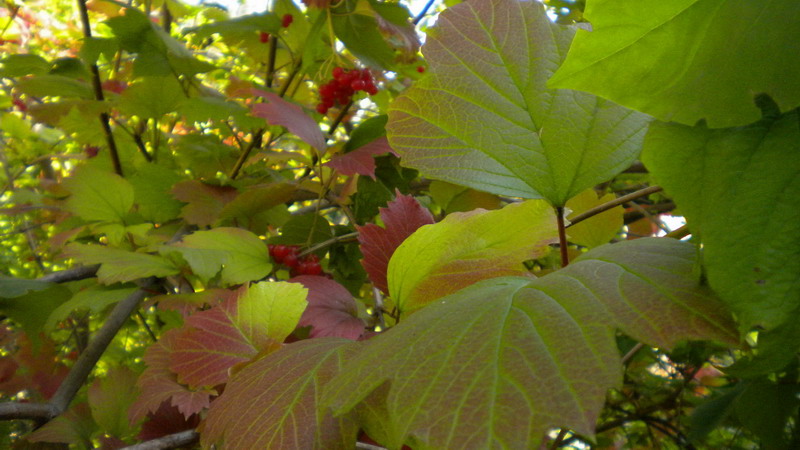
(73, 274)
(616, 202)
(105, 118)
(40, 412)
(182, 439)
(88, 358)
(349, 237)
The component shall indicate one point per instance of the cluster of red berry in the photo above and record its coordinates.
(288, 255)
(344, 84)
(286, 20)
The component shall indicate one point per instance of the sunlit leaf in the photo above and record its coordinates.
(686, 60)
(598, 229)
(205, 201)
(215, 340)
(482, 116)
(98, 195)
(238, 253)
(361, 160)
(499, 363)
(465, 248)
(278, 111)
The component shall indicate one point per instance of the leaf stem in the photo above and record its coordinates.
(616, 202)
(422, 13)
(562, 236)
(349, 237)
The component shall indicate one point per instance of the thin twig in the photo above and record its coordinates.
(562, 433)
(616, 202)
(376, 293)
(349, 237)
(424, 11)
(175, 440)
(31, 411)
(105, 118)
(632, 352)
(679, 233)
(365, 446)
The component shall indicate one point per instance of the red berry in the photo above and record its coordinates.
(287, 20)
(322, 109)
(291, 259)
(309, 268)
(337, 72)
(91, 151)
(420, 69)
(19, 104)
(358, 84)
(263, 37)
(279, 252)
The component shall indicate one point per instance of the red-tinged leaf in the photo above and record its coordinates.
(187, 304)
(257, 321)
(278, 111)
(43, 370)
(402, 217)
(159, 384)
(273, 402)
(167, 420)
(497, 364)
(361, 160)
(331, 310)
(73, 427)
(109, 399)
(205, 201)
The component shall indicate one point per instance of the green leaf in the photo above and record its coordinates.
(272, 402)
(464, 248)
(98, 195)
(306, 229)
(240, 254)
(738, 189)
(94, 299)
(55, 86)
(23, 64)
(152, 184)
(152, 97)
(499, 363)
(360, 34)
(27, 309)
(482, 116)
(16, 287)
(768, 423)
(109, 400)
(687, 60)
(598, 229)
(119, 265)
(257, 199)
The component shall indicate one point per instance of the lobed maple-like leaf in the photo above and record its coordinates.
(499, 363)
(273, 402)
(239, 254)
(98, 195)
(464, 248)
(165, 421)
(256, 321)
(483, 117)
(159, 384)
(402, 217)
(118, 265)
(278, 111)
(331, 310)
(361, 160)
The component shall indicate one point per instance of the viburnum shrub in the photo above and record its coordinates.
(300, 228)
